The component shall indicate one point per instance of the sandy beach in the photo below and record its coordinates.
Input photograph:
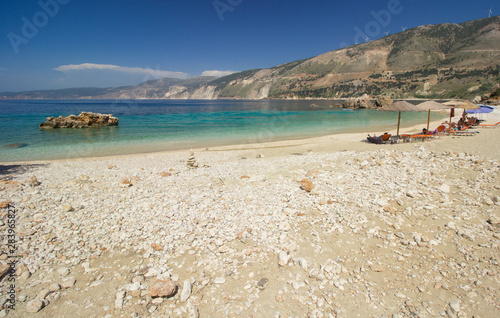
(321, 227)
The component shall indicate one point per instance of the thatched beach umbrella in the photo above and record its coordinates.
(401, 106)
(464, 104)
(431, 105)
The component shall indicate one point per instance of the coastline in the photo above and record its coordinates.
(246, 234)
(346, 141)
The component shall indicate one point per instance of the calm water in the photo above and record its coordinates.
(153, 125)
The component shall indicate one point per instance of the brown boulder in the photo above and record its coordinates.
(156, 247)
(306, 185)
(162, 288)
(5, 204)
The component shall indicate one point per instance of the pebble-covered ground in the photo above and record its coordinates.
(386, 232)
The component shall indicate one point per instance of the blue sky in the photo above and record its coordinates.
(51, 44)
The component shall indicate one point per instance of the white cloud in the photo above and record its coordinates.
(217, 73)
(148, 73)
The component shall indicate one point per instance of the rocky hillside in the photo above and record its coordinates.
(430, 61)
(153, 89)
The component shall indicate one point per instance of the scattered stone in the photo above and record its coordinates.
(466, 234)
(32, 182)
(119, 299)
(165, 174)
(376, 268)
(390, 209)
(186, 290)
(219, 280)
(455, 306)
(4, 269)
(34, 306)
(43, 293)
(5, 204)
(262, 283)
(306, 185)
(68, 282)
(283, 258)
(494, 219)
(68, 208)
(444, 188)
(162, 288)
(125, 183)
(156, 247)
(451, 225)
(192, 312)
(54, 287)
(63, 271)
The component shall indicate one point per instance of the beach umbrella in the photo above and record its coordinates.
(463, 104)
(431, 105)
(482, 110)
(401, 106)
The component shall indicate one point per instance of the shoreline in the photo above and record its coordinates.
(349, 140)
(325, 225)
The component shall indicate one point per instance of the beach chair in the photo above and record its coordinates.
(421, 137)
(441, 130)
(464, 131)
(486, 125)
(379, 139)
(412, 137)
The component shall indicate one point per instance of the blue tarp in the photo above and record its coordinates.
(482, 110)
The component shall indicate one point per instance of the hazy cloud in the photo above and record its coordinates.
(147, 72)
(217, 73)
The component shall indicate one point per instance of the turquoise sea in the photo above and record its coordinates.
(163, 125)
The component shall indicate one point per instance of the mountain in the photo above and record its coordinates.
(153, 89)
(430, 61)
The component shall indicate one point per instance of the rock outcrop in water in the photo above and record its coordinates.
(84, 120)
(360, 102)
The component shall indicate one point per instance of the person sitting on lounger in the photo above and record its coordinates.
(379, 139)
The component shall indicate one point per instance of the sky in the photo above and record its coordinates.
(54, 44)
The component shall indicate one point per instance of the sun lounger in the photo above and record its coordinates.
(486, 125)
(379, 139)
(410, 137)
(422, 137)
(441, 130)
